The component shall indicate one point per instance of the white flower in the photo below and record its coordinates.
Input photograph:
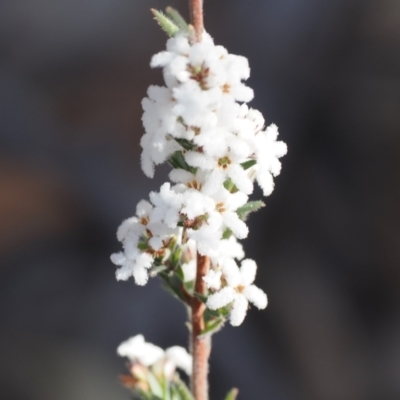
(213, 279)
(137, 350)
(189, 270)
(239, 291)
(137, 266)
(224, 167)
(178, 357)
(268, 152)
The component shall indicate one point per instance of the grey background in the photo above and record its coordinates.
(327, 72)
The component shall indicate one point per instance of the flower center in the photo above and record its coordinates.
(224, 162)
(221, 207)
(144, 220)
(194, 185)
(199, 74)
(226, 88)
(240, 289)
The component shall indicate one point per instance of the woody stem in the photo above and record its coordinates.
(196, 17)
(200, 345)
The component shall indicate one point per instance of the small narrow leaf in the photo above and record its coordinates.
(213, 327)
(201, 297)
(230, 186)
(178, 161)
(166, 24)
(155, 386)
(248, 164)
(232, 395)
(227, 234)
(186, 144)
(183, 390)
(252, 206)
(176, 17)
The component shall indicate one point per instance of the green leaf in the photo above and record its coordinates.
(252, 206)
(174, 285)
(177, 160)
(177, 18)
(210, 315)
(201, 297)
(227, 234)
(248, 164)
(175, 256)
(155, 385)
(213, 326)
(166, 24)
(186, 144)
(158, 269)
(182, 389)
(230, 186)
(232, 394)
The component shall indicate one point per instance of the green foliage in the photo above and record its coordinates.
(174, 284)
(252, 206)
(227, 233)
(161, 388)
(213, 326)
(248, 164)
(177, 19)
(186, 144)
(232, 395)
(230, 186)
(167, 25)
(177, 160)
(179, 391)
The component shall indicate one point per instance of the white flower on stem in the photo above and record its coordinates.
(239, 290)
(228, 248)
(137, 265)
(208, 235)
(268, 152)
(226, 205)
(177, 357)
(167, 204)
(158, 120)
(189, 270)
(222, 168)
(213, 279)
(132, 261)
(138, 351)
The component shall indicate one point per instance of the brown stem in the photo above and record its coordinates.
(196, 17)
(200, 346)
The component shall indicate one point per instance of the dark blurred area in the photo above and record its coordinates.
(72, 75)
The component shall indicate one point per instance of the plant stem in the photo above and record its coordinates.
(196, 17)
(200, 346)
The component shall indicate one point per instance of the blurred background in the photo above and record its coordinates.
(72, 75)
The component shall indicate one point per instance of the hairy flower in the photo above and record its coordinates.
(239, 290)
(218, 147)
(137, 350)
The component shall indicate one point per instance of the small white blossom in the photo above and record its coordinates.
(239, 290)
(189, 270)
(136, 266)
(137, 350)
(213, 279)
(178, 357)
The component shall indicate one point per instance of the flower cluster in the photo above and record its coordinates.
(152, 370)
(138, 351)
(218, 147)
